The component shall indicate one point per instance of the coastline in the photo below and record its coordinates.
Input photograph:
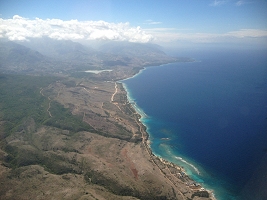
(171, 170)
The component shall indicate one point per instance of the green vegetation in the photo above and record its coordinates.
(95, 177)
(63, 119)
(23, 109)
(21, 99)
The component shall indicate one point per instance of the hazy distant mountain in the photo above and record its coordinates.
(16, 52)
(63, 49)
(47, 55)
(142, 53)
(18, 58)
(54, 48)
(107, 51)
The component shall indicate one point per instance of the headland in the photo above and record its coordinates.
(72, 135)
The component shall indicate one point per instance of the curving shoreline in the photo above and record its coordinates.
(174, 173)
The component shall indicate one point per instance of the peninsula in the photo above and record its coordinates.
(68, 134)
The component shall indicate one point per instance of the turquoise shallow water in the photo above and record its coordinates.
(207, 116)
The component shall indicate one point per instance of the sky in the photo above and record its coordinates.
(164, 22)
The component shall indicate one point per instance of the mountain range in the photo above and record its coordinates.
(46, 55)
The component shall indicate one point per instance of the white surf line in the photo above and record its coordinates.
(116, 90)
(134, 105)
(141, 112)
(191, 165)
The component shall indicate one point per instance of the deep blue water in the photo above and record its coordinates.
(209, 116)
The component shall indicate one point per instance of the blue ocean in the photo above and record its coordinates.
(209, 116)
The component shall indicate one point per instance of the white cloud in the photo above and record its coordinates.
(171, 35)
(151, 22)
(217, 3)
(253, 33)
(239, 3)
(242, 2)
(19, 28)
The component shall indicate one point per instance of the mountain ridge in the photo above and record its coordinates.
(50, 56)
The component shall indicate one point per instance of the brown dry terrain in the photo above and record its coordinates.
(67, 134)
(111, 161)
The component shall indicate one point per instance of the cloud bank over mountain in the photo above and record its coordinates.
(19, 28)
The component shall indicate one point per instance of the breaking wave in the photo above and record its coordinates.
(191, 165)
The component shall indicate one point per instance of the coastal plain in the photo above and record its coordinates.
(67, 134)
